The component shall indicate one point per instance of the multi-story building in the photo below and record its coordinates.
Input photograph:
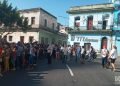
(44, 28)
(92, 25)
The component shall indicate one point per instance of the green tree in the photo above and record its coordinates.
(10, 18)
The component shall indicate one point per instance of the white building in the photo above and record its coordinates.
(91, 25)
(44, 28)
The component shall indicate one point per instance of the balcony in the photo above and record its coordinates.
(55, 31)
(48, 29)
(92, 30)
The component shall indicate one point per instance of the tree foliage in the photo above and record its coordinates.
(10, 17)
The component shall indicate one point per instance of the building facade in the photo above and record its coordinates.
(116, 24)
(92, 25)
(43, 28)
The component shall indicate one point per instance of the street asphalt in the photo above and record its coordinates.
(59, 74)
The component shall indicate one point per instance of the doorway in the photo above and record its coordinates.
(104, 25)
(90, 23)
(76, 43)
(104, 42)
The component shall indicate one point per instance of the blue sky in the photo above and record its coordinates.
(55, 7)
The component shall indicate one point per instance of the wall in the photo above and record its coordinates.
(16, 36)
(96, 40)
(57, 38)
(96, 17)
(49, 18)
(118, 44)
(30, 14)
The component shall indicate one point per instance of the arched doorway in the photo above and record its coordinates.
(104, 42)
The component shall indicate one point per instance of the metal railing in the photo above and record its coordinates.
(85, 28)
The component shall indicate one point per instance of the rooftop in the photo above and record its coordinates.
(37, 9)
(91, 8)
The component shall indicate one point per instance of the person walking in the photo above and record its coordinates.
(57, 52)
(78, 53)
(7, 57)
(82, 55)
(74, 53)
(104, 53)
(49, 54)
(69, 53)
(65, 52)
(113, 56)
(19, 55)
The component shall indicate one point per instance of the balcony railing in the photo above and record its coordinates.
(48, 29)
(103, 27)
(56, 31)
(93, 30)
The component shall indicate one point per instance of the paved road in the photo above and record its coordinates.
(58, 74)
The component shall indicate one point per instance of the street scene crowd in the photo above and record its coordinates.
(15, 56)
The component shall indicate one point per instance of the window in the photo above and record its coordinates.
(45, 23)
(53, 25)
(10, 38)
(32, 20)
(77, 21)
(31, 39)
(77, 24)
(22, 38)
(77, 18)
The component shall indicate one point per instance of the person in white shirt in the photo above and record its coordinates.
(104, 53)
(69, 53)
(49, 53)
(113, 56)
(65, 52)
(82, 55)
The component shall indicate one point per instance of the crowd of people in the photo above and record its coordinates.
(15, 56)
(79, 53)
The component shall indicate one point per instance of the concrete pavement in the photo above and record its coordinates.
(58, 74)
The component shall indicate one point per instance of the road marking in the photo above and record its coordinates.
(36, 79)
(71, 73)
(34, 72)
